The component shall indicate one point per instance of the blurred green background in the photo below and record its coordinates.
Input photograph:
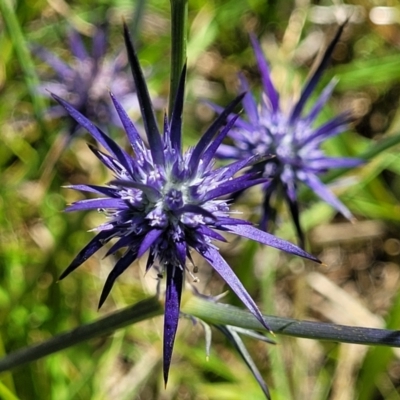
(358, 286)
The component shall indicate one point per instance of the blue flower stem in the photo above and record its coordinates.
(209, 312)
(179, 13)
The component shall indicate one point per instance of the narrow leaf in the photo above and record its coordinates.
(251, 232)
(171, 317)
(176, 119)
(313, 81)
(224, 270)
(146, 107)
(95, 244)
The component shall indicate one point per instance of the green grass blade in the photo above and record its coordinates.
(143, 310)
(6, 394)
(25, 61)
(377, 359)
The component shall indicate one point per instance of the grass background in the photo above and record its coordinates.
(358, 286)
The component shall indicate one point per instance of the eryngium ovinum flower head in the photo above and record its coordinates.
(291, 137)
(87, 80)
(167, 202)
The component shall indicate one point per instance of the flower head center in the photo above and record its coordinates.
(174, 199)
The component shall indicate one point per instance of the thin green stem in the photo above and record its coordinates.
(210, 312)
(179, 13)
(224, 314)
(143, 310)
(23, 55)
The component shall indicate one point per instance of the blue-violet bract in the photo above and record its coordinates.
(291, 137)
(165, 201)
(86, 82)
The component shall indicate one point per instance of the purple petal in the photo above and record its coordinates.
(251, 232)
(230, 170)
(123, 263)
(61, 68)
(325, 194)
(268, 211)
(95, 244)
(77, 46)
(195, 209)
(99, 43)
(334, 162)
(294, 211)
(222, 221)
(323, 98)
(224, 270)
(125, 241)
(205, 230)
(232, 186)
(225, 151)
(100, 136)
(146, 107)
(92, 204)
(265, 75)
(107, 160)
(213, 147)
(181, 251)
(313, 81)
(240, 123)
(171, 315)
(249, 104)
(152, 193)
(176, 119)
(149, 239)
(133, 135)
(95, 189)
(207, 138)
(329, 129)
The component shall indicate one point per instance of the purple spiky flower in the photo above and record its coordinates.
(87, 80)
(292, 137)
(166, 202)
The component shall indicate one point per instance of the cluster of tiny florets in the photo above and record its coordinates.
(167, 202)
(292, 137)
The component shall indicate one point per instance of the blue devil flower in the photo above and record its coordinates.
(166, 202)
(292, 137)
(87, 81)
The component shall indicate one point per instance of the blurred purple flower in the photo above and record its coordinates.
(291, 137)
(87, 81)
(165, 201)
